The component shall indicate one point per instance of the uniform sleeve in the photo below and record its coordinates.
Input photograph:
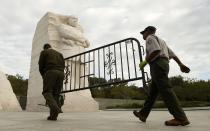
(41, 63)
(171, 53)
(63, 61)
(152, 45)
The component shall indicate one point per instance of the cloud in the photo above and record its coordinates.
(185, 25)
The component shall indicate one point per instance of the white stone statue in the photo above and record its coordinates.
(66, 36)
(72, 34)
(8, 100)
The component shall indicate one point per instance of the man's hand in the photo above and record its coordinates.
(184, 68)
(142, 64)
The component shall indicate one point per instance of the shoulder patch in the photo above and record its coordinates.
(149, 41)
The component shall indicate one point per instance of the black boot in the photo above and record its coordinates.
(53, 115)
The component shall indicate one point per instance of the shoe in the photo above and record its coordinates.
(175, 122)
(51, 118)
(140, 116)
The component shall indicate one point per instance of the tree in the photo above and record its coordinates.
(19, 85)
(177, 81)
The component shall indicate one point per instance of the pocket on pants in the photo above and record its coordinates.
(163, 65)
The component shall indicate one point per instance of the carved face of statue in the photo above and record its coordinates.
(72, 21)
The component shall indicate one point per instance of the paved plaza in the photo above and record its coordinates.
(100, 121)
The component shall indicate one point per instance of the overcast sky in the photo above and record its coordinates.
(183, 24)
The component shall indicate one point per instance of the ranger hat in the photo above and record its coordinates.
(149, 28)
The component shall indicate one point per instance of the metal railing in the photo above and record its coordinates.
(115, 63)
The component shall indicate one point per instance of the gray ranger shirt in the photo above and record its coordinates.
(154, 43)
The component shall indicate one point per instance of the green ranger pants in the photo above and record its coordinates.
(159, 70)
(52, 86)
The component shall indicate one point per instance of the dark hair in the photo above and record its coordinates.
(46, 46)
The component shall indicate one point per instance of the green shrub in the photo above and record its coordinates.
(186, 90)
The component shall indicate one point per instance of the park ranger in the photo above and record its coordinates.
(157, 56)
(51, 67)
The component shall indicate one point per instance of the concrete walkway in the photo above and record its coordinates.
(99, 121)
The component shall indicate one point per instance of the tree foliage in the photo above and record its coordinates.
(185, 89)
(117, 91)
(19, 84)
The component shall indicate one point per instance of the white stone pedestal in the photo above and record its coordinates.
(47, 32)
(8, 100)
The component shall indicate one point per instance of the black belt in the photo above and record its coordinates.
(158, 58)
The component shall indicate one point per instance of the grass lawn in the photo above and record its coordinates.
(129, 103)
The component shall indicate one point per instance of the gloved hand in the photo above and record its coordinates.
(142, 64)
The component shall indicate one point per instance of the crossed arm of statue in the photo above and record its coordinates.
(72, 34)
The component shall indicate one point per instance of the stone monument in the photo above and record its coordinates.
(66, 36)
(8, 100)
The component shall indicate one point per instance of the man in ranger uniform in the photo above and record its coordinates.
(51, 67)
(158, 55)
